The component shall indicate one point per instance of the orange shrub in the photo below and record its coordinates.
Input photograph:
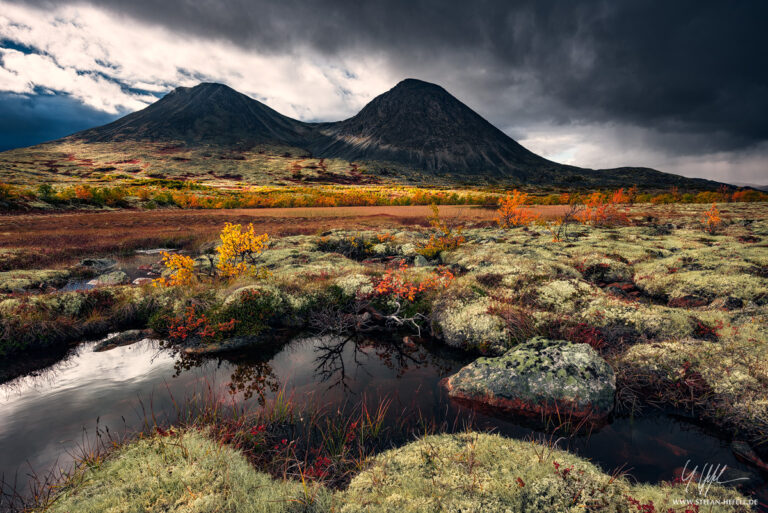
(602, 211)
(749, 195)
(511, 213)
(395, 283)
(712, 219)
(445, 239)
(619, 197)
(143, 193)
(83, 192)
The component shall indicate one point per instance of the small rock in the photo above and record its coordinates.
(539, 377)
(726, 303)
(689, 301)
(99, 265)
(155, 251)
(746, 454)
(231, 344)
(622, 289)
(142, 281)
(122, 339)
(113, 278)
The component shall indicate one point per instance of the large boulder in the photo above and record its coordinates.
(539, 377)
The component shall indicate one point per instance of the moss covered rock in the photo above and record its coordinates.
(181, 473)
(24, 280)
(112, 278)
(539, 377)
(473, 472)
(469, 325)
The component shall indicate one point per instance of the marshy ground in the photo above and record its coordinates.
(679, 313)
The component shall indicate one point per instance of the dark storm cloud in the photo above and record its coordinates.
(27, 121)
(690, 67)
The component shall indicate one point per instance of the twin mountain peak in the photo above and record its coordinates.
(415, 125)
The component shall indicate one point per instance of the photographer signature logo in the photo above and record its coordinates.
(703, 480)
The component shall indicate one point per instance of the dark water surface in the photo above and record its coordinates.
(46, 418)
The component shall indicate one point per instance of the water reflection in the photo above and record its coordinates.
(336, 353)
(337, 360)
(42, 416)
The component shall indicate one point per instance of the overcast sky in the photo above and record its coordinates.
(680, 86)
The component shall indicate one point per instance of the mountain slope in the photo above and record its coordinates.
(211, 113)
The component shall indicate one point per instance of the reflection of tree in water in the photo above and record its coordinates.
(249, 377)
(333, 358)
(253, 377)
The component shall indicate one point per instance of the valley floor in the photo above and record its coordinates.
(679, 316)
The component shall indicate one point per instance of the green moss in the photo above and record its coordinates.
(469, 325)
(479, 472)
(19, 281)
(186, 473)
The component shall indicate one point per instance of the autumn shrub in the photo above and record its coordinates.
(193, 325)
(181, 271)
(601, 210)
(712, 220)
(6, 191)
(444, 237)
(396, 283)
(558, 227)
(238, 251)
(511, 211)
(749, 195)
(83, 192)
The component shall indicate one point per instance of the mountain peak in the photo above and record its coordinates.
(423, 125)
(208, 112)
(204, 86)
(204, 90)
(415, 83)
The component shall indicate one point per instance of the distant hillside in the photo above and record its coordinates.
(752, 186)
(416, 132)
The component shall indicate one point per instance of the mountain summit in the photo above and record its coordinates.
(422, 125)
(208, 112)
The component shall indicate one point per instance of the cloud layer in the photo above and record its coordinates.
(678, 86)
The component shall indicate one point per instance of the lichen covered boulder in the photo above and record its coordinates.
(112, 278)
(539, 377)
